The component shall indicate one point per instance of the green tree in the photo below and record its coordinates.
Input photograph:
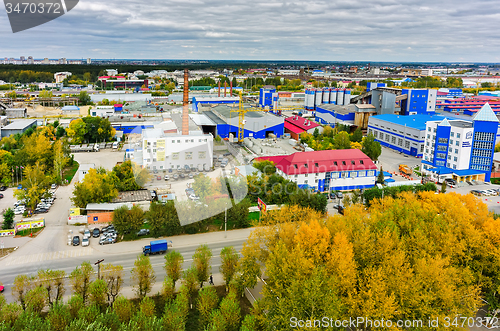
(443, 187)
(130, 176)
(173, 265)
(201, 261)
(163, 219)
(266, 167)
(168, 289)
(229, 262)
(80, 280)
(123, 308)
(36, 299)
(207, 301)
(143, 276)
(59, 317)
(22, 284)
(190, 282)
(203, 186)
(96, 187)
(238, 214)
(342, 141)
(53, 282)
(357, 136)
(76, 131)
(8, 219)
(84, 98)
(371, 148)
(230, 309)
(380, 176)
(98, 293)
(217, 321)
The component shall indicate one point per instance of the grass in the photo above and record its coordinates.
(6, 251)
(133, 236)
(70, 172)
(27, 232)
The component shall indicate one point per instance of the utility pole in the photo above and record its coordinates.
(98, 263)
(225, 223)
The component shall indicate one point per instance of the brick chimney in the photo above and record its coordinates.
(185, 104)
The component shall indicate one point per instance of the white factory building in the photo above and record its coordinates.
(345, 169)
(164, 151)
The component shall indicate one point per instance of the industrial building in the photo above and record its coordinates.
(317, 97)
(460, 149)
(198, 101)
(223, 120)
(405, 134)
(328, 170)
(174, 151)
(296, 125)
(122, 82)
(17, 126)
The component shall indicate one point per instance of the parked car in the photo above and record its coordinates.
(1, 288)
(76, 240)
(53, 186)
(175, 176)
(340, 209)
(86, 233)
(143, 232)
(96, 233)
(190, 176)
(1, 195)
(3, 188)
(182, 175)
(85, 242)
(105, 241)
(158, 177)
(167, 177)
(476, 192)
(41, 211)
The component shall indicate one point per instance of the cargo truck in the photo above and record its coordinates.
(404, 169)
(156, 247)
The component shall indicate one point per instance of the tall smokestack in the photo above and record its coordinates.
(219, 88)
(231, 89)
(225, 85)
(185, 104)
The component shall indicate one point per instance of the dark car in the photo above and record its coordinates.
(96, 233)
(143, 232)
(106, 241)
(1, 195)
(41, 210)
(76, 240)
(340, 209)
(3, 188)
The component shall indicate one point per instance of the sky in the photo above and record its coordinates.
(347, 30)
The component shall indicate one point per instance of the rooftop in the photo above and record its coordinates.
(86, 166)
(133, 196)
(19, 124)
(412, 121)
(302, 123)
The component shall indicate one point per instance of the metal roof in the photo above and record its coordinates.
(201, 119)
(19, 125)
(107, 206)
(412, 121)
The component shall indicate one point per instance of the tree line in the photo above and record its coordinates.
(97, 303)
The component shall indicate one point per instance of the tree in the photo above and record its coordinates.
(380, 176)
(59, 317)
(36, 182)
(36, 299)
(190, 281)
(229, 262)
(230, 310)
(80, 280)
(168, 289)
(341, 141)
(371, 148)
(76, 131)
(217, 321)
(266, 167)
(207, 301)
(22, 284)
(162, 219)
(238, 214)
(8, 219)
(357, 136)
(123, 308)
(113, 276)
(98, 292)
(443, 187)
(96, 187)
(147, 307)
(125, 219)
(203, 186)
(130, 176)
(136, 218)
(143, 276)
(201, 261)
(53, 282)
(173, 265)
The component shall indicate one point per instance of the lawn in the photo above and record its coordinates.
(70, 172)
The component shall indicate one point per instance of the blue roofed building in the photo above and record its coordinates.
(459, 149)
(405, 134)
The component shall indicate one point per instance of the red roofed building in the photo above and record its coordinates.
(343, 169)
(295, 125)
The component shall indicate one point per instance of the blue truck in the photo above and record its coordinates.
(156, 247)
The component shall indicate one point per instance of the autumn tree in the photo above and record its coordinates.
(36, 299)
(168, 289)
(96, 187)
(80, 280)
(123, 308)
(229, 262)
(76, 131)
(98, 293)
(22, 284)
(202, 185)
(231, 311)
(207, 301)
(201, 261)
(190, 280)
(173, 265)
(113, 276)
(342, 141)
(53, 282)
(143, 276)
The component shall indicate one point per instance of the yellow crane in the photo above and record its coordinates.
(241, 115)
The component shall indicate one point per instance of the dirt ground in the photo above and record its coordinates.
(41, 111)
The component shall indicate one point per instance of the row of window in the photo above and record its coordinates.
(187, 156)
(346, 174)
(335, 163)
(483, 145)
(173, 167)
(480, 167)
(484, 136)
(179, 141)
(480, 160)
(393, 140)
(481, 152)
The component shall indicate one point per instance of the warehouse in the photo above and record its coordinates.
(334, 114)
(344, 169)
(295, 125)
(198, 101)
(258, 124)
(18, 126)
(405, 134)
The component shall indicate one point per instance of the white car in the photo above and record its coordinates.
(19, 211)
(85, 241)
(86, 233)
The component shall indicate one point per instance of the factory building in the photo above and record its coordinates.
(267, 96)
(122, 82)
(419, 101)
(296, 125)
(345, 169)
(459, 149)
(197, 101)
(405, 134)
(317, 97)
(222, 120)
(17, 126)
(174, 151)
(371, 86)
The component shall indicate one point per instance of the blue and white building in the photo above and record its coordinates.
(460, 149)
(405, 134)
(419, 101)
(266, 97)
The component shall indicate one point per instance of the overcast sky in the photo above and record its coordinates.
(347, 30)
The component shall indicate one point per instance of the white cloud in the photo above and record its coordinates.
(379, 30)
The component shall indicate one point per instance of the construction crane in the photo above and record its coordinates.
(241, 115)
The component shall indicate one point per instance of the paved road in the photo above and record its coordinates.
(123, 253)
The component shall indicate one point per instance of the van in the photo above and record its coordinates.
(115, 145)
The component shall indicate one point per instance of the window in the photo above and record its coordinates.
(441, 148)
(457, 143)
(455, 159)
(441, 155)
(149, 150)
(305, 165)
(178, 141)
(317, 174)
(334, 175)
(188, 155)
(305, 182)
(154, 150)
(295, 166)
(173, 141)
(316, 181)
(458, 135)
(316, 165)
(345, 174)
(335, 162)
(429, 129)
(148, 160)
(422, 149)
(407, 144)
(428, 136)
(427, 150)
(400, 142)
(451, 141)
(353, 163)
(452, 134)
(154, 160)
(354, 174)
(456, 151)
(296, 176)
(370, 173)
(393, 140)
(434, 129)
(361, 162)
(175, 156)
(343, 162)
(305, 175)
(443, 141)
(375, 134)
(387, 137)
(202, 155)
(149, 143)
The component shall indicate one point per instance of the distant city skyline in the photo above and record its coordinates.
(380, 30)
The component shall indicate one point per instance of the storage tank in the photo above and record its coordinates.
(326, 95)
(309, 99)
(319, 98)
(340, 97)
(333, 96)
(275, 102)
(347, 97)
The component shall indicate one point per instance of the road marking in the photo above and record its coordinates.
(51, 256)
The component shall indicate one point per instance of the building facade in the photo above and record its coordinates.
(326, 170)
(460, 149)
